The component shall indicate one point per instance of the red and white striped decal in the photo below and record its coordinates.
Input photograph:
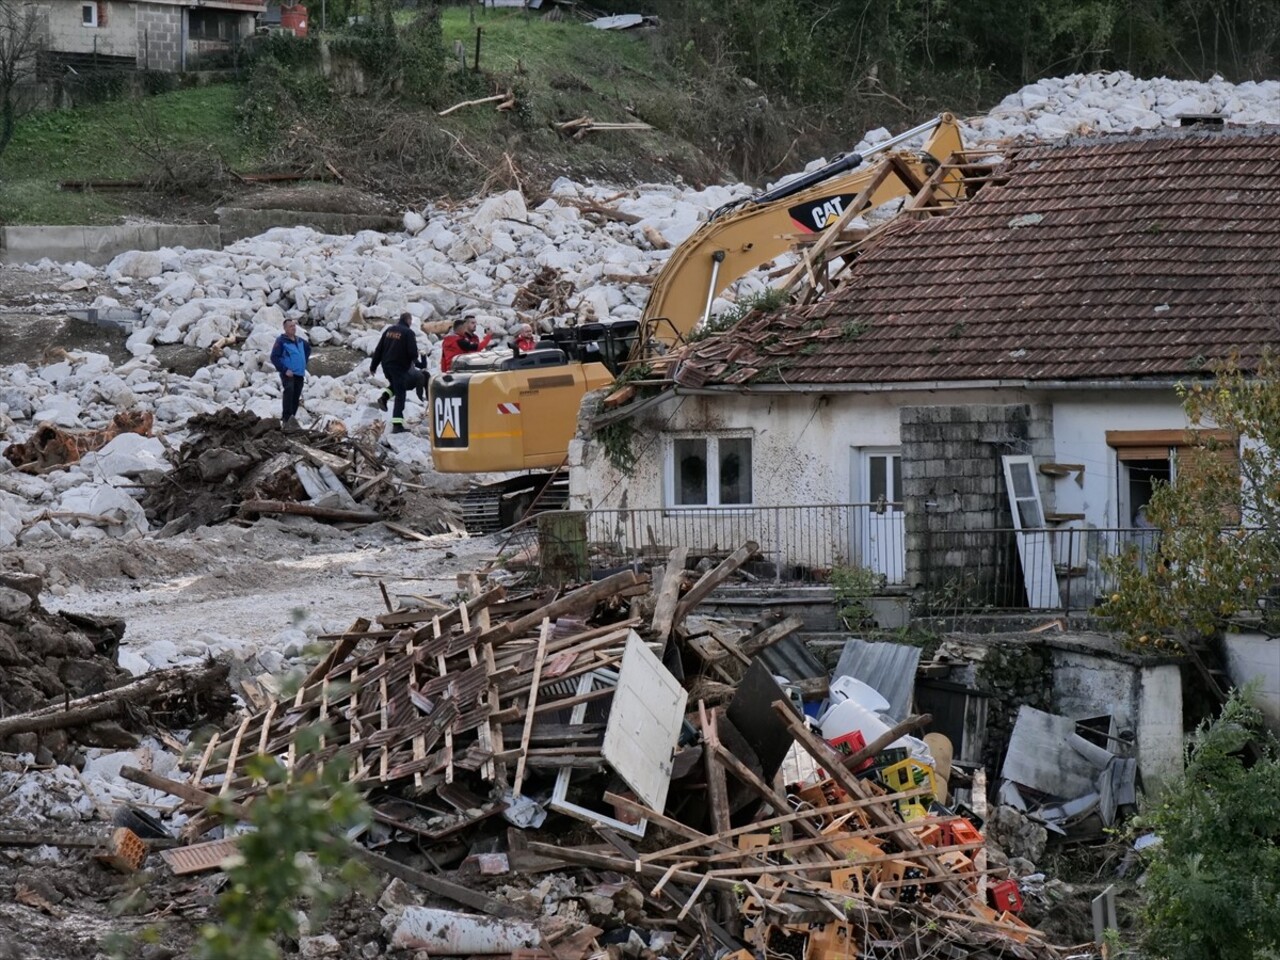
(508, 408)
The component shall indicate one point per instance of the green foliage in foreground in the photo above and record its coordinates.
(298, 850)
(1212, 889)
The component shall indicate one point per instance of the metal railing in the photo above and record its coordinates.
(797, 543)
(946, 570)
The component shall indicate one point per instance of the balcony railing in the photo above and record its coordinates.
(944, 570)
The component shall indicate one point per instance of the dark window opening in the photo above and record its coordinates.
(220, 25)
(1144, 476)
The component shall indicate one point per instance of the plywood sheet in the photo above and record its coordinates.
(644, 723)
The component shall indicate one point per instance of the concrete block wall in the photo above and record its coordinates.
(160, 37)
(954, 492)
(115, 35)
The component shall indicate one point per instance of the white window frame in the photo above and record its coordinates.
(713, 471)
(92, 8)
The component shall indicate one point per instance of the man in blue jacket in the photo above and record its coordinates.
(289, 356)
(397, 353)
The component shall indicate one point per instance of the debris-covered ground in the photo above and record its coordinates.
(173, 553)
(539, 779)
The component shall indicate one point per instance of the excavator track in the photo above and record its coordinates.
(497, 506)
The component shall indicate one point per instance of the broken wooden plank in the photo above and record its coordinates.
(584, 597)
(518, 782)
(406, 532)
(437, 885)
(771, 635)
(664, 611)
(186, 791)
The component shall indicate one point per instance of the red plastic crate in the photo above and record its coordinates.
(849, 744)
(1005, 896)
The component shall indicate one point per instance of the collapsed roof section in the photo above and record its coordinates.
(1095, 260)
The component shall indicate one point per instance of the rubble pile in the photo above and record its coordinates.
(582, 252)
(239, 463)
(61, 685)
(536, 759)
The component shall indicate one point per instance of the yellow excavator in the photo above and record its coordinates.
(518, 413)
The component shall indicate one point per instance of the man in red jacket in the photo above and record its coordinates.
(462, 340)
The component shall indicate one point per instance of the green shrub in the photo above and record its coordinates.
(1212, 888)
(422, 56)
(853, 587)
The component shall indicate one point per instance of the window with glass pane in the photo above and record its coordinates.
(690, 472)
(735, 470)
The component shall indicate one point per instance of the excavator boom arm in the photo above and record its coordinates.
(735, 242)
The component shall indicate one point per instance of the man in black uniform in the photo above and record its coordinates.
(397, 353)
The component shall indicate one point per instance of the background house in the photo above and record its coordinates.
(96, 35)
(1012, 364)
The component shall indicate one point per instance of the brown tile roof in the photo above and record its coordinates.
(1095, 260)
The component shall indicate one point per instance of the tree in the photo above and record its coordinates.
(20, 39)
(1212, 888)
(1216, 561)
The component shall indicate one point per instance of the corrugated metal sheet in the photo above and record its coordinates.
(1098, 259)
(888, 667)
(790, 658)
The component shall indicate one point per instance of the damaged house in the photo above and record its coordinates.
(982, 407)
(163, 35)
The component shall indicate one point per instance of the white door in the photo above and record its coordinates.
(1035, 544)
(881, 527)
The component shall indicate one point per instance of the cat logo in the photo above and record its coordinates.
(817, 215)
(449, 414)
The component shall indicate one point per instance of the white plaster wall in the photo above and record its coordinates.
(801, 443)
(1252, 658)
(1159, 731)
(1080, 425)
(119, 38)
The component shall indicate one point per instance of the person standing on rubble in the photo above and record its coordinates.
(289, 355)
(397, 354)
(462, 340)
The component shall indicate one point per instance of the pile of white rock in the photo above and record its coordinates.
(448, 261)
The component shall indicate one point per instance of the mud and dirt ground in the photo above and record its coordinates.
(241, 584)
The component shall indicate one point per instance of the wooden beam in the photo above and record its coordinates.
(533, 705)
(587, 596)
(771, 635)
(713, 578)
(664, 611)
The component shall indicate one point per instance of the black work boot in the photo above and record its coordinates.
(398, 428)
(382, 400)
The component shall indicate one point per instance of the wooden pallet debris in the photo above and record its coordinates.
(472, 723)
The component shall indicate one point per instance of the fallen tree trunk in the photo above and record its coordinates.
(111, 704)
(307, 510)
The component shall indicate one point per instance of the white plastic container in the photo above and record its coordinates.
(851, 688)
(850, 715)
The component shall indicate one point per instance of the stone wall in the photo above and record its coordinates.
(98, 245)
(160, 37)
(954, 495)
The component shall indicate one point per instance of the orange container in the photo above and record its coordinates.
(294, 19)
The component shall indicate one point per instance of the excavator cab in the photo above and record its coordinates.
(500, 413)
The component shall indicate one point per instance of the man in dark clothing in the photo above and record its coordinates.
(462, 340)
(397, 353)
(289, 356)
